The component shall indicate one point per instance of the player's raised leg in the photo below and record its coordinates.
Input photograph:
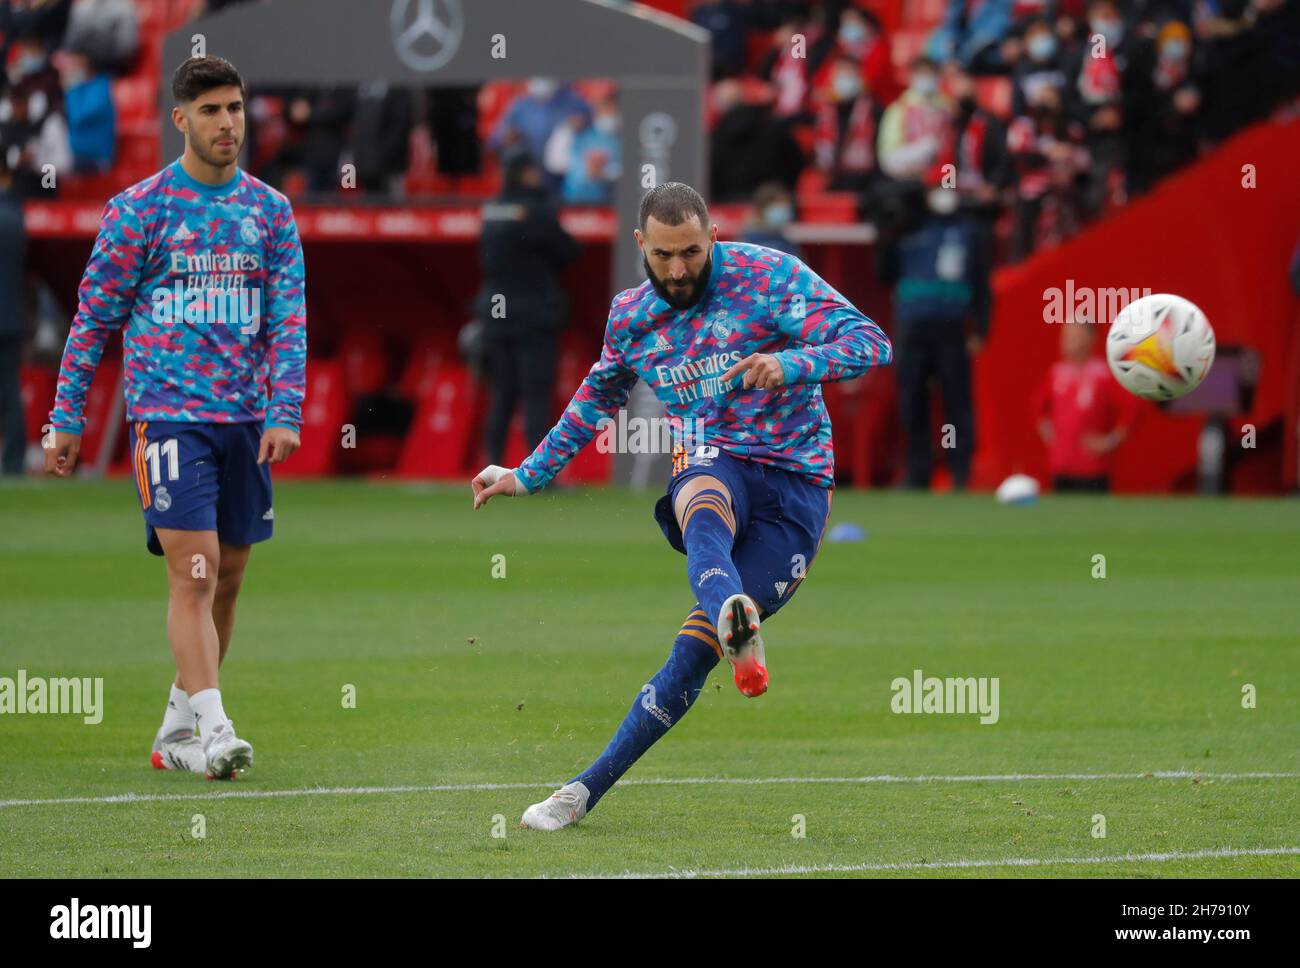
(705, 514)
(661, 703)
(193, 569)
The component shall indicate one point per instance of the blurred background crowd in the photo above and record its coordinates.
(966, 134)
(1049, 111)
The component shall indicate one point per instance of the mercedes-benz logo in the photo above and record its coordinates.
(427, 33)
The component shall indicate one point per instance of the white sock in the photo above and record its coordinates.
(207, 707)
(179, 714)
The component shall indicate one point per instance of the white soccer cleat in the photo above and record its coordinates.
(226, 753)
(178, 750)
(565, 806)
(742, 645)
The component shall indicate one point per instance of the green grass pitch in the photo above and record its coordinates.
(475, 695)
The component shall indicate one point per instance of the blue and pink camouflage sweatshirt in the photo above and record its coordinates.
(757, 300)
(207, 282)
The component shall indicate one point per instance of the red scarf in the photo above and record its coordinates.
(858, 148)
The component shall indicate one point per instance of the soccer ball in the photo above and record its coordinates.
(1160, 347)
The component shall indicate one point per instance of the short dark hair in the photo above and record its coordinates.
(198, 75)
(673, 203)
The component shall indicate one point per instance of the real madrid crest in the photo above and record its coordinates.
(721, 328)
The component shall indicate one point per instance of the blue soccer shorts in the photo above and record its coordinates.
(780, 520)
(202, 477)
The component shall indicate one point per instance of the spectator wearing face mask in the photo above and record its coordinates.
(33, 76)
(912, 128)
(33, 138)
(940, 269)
(791, 66)
(1040, 65)
(773, 213)
(532, 118)
(92, 118)
(977, 150)
(844, 145)
(588, 154)
(860, 39)
(1104, 76)
(1048, 155)
(972, 33)
(1169, 109)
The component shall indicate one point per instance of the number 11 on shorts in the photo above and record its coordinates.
(158, 449)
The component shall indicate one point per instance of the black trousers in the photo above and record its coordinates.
(1064, 484)
(13, 426)
(521, 365)
(923, 351)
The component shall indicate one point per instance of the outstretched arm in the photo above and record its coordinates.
(601, 394)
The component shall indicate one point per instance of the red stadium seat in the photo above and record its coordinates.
(812, 181)
(323, 416)
(443, 435)
(101, 403)
(136, 99)
(906, 46)
(864, 422)
(923, 14)
(365, 362)
(428, 353)
(834, 207)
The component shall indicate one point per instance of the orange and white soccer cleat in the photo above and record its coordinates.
(178, 750)
(742, 645)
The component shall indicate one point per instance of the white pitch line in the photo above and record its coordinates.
(652, 781)
(1225, 852)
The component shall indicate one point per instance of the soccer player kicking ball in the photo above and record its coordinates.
(201, 267)
(748, 504)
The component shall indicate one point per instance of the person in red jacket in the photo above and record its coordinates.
(1083, 414)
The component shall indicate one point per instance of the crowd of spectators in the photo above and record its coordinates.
(1101, 99)
(1106, 97)
(57, 61)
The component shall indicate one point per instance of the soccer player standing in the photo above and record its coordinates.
(201, 268)
(750, 490)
